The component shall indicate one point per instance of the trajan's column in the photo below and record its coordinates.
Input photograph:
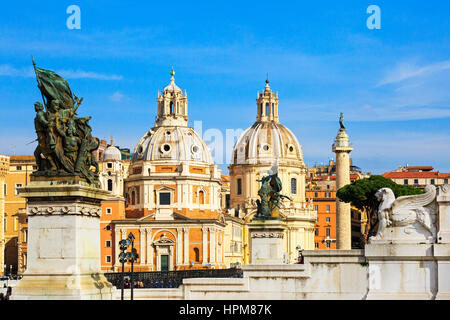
(342, 148)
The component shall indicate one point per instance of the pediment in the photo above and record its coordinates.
(164, 241)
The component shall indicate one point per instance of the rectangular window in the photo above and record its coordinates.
(316, 245)
(294, 186)
(19, 168)
(416, 181)
(108, 259)
(164, 198)
(108, 211)
(328, 232)
(328, 208)
(18, 185)
(432, 181)
(109, 165)
(316, 232)
(108, 227)
(328, 244)
(108, 244)
(328, 219)
(445, 181)
(316, 207)
(316, 195)
(327, 194)
(239, 186)
(405, 181)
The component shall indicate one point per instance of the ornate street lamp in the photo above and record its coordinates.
(127, 257)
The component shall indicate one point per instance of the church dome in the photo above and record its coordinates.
(265, 142)
(112, 153)
(172, 143)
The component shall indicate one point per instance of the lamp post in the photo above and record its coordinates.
(127, 257)
(132, 257)
(123, 258)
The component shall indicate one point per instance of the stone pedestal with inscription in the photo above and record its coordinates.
(63, 241)
(267, 238)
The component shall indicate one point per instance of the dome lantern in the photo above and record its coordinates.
(172, 105)
(267, 105)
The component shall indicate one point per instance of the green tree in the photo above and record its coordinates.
(361, 194)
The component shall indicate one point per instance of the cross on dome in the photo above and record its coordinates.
(172, 86)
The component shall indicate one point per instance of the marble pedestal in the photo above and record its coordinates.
(63, 242)
(401, 271)
(267, 237)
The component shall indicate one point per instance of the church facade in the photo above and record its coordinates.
(172, 195)
(268, 146)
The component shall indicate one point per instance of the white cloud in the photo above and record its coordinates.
(116, 97)
(80, 74)
(405, 71)
(10, 71)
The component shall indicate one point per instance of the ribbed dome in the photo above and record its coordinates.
(172, 143)
(112, 153)
(265, 141)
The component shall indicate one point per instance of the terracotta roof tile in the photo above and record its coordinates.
(400, 175)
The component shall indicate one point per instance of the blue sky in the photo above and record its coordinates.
(392, 84)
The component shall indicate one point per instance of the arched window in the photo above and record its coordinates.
(196, 255)
(294, 186)
(171, 107)
(267, 109)
(261, 109)
(133, 197)
(110, 185)
(201, 197)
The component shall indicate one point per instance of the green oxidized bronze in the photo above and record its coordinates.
(65, 142)
(270, 196)
(341, 121)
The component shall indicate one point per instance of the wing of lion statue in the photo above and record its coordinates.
(407, 213)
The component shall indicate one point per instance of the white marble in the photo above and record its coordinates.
(267, 241)
(63, 245)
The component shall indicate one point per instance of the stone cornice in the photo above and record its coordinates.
(64, 209)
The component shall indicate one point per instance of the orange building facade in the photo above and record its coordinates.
(321, 190)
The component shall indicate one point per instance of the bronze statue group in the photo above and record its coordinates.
(65, 142)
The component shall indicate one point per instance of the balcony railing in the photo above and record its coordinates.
(169, 279)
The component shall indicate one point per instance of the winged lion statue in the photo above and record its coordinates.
(406, 211)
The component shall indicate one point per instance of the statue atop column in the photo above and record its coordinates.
(341, 121)
(65, 142)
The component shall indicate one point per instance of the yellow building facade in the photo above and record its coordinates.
(4, 168)
(15, 223)
(268, 146)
